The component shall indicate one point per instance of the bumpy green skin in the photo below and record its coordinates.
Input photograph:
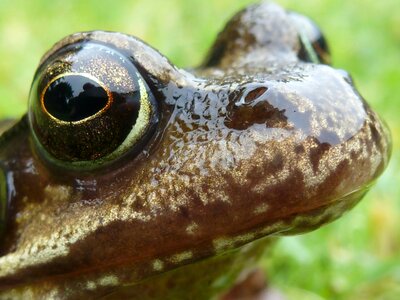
(257, 141)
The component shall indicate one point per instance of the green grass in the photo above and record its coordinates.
(357, 257)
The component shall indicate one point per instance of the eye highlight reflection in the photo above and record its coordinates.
(74, 97)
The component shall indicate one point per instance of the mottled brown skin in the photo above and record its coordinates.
(258, 141)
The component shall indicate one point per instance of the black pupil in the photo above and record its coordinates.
(74, 97)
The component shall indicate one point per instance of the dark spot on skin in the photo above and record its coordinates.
(334, 179)
(184, 211)
(329, 137)
(254, 111)
(316, 153)
(374, 133)
(376, 129)
(288, 200)
(286, 196)
(137, 205)
(353, 155)
(235, 96)
(299, 149)
(276, 164)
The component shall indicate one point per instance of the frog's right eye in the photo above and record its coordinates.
(90, 105)
(314, 47)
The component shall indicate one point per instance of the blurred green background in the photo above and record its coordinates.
(357, 257)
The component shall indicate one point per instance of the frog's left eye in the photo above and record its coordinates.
(90, 105)
(314, 47)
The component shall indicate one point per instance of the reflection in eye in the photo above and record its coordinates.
(89, 105)
(74, 97)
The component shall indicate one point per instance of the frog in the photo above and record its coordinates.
(132, 178)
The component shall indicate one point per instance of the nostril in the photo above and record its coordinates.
(253, 108)
(255, 94)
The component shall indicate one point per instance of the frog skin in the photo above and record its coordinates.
(263, 139)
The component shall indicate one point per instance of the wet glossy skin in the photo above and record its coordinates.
(260, 140)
